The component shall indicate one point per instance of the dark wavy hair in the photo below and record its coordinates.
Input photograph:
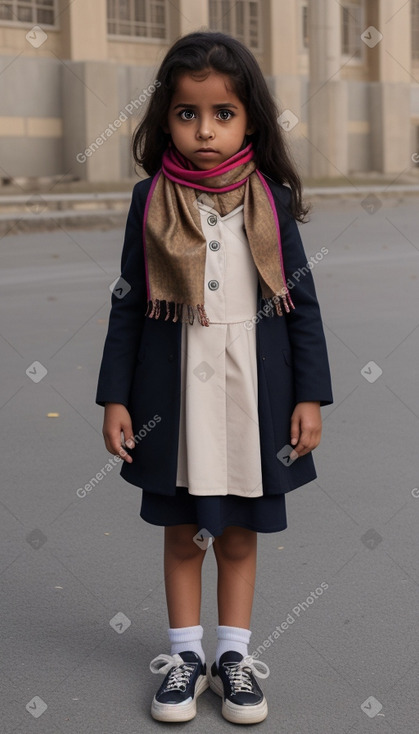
(203, 50)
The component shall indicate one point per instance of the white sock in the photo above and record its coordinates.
(231, 638)
(186, 638)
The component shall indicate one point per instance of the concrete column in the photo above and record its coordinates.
(283, 43)
(390, 98)
(395, 49)
(327, 98)
(283, 29)
(84, 30)
(325, 43)
(90, 111)
(193, 16)
(390, 123)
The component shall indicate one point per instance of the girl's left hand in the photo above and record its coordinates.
(306, 427)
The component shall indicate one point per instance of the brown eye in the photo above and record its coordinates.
(186, 115)
(225, 115)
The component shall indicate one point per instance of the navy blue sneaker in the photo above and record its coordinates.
(234, 680)
(186, 678)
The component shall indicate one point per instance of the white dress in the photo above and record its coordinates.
(219, 444)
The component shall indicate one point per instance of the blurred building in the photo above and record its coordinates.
(75, 75)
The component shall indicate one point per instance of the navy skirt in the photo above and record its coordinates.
(266, 514)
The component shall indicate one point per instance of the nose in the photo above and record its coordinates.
(205, 130)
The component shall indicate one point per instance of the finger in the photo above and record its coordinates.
(128, 441)
(112, 441)
(124, 455)
(309, 439)
(126, 429)
(114, 446)
(303, 445)
(294, 431)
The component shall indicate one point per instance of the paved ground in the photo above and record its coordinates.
(76, 571)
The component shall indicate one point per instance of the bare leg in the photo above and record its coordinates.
(235, 551)
(182, 573)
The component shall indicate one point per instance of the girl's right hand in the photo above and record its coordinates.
(117, 420)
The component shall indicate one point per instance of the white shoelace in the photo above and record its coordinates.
(180, 674)
(239, 675)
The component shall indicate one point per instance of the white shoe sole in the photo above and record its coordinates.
(234, 713)
(179, 712)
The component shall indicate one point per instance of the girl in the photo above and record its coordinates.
(215, 364)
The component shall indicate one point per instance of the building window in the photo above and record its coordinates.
(304, 26)
(238, 18)
(138, 18)
(352, 27)
(415, 29)
(40, 12)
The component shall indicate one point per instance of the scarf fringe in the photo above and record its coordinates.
(277, 304)
(284, 300)
(186, 314)
(182, 312)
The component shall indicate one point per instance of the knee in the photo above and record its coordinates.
(181, 545)
(235, 546)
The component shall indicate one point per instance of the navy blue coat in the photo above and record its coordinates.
(141, 364)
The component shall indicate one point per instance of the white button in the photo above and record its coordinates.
(213, 285)
(212, 220)
(214, 245)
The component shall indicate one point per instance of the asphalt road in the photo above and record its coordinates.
(82, 601)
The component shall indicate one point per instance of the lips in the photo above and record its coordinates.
(206, 150)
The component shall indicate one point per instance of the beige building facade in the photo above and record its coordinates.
(75, 76)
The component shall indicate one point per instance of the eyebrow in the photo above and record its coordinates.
(215, 106)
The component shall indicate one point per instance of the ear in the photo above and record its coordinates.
(165, 129)
(250, 130)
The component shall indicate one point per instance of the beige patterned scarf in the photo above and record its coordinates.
(174, 243)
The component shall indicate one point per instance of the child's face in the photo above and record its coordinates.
(206, 120)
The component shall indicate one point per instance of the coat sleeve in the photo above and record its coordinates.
(126, 320)
(305, 329)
